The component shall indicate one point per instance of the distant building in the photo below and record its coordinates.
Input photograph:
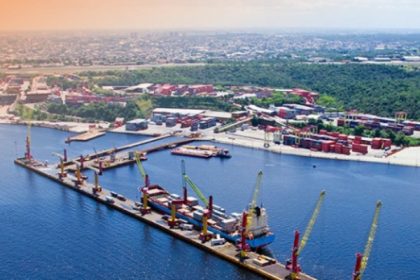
(140, 88)
(196, 89)
(177, 112)
(165, 89)
(300, 109)
(137, 124)
(360, 58)
(411, 58)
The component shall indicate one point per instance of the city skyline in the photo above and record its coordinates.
(24, 15)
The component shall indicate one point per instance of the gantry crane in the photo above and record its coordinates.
(362, 260)
(145, 209)
(293, 264)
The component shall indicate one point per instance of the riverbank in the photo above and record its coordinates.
(75, 127)
(409, 156)
(406, 157)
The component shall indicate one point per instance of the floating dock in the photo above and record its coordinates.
(259, 264)
(86, 136)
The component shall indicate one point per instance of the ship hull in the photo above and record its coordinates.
(255, 243)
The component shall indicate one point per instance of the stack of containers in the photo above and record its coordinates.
(359, 148)
(386, 143)
(376, 143)
(345, 150)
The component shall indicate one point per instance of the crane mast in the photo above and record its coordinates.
(253, 204)
(28, 155)
(142, 171)
(311, 223)
(196, 190)
(293, 264)
(362, 260)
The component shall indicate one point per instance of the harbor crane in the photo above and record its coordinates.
(143, 173)
(253, 209)
(63, 159)
(204, 235)
(28, 155)
(293, 264)
(362, 259)
(145, 208)
(248, 216)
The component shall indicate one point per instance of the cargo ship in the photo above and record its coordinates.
(227, 226)
(203, 151)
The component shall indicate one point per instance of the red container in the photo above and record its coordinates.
(357, 139)
(343, 137)
(340, 122)
(335, 134)
(338, 148)
(323, 132)
(386, 143)
(326, 147)
(359, 148)
(376, 143)
(345, 150)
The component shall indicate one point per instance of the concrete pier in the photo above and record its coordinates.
(270, 270)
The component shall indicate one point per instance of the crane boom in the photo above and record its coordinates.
(195, 188)
(253, 203)
(371, 238)
(256, 190)
(140, 166)
(311, 222)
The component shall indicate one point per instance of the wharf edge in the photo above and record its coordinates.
(176, 233)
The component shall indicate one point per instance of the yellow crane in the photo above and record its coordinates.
(196, 190)
(362, 260)
(145, 198)
(247, 217)
(28, 155)
(253, 204)
(204, 235)
(187, 180)
(293, 264)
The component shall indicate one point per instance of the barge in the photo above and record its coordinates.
(202, 151)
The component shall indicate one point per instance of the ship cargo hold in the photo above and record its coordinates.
(226, 225)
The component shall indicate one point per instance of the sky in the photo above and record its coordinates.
(207, 14)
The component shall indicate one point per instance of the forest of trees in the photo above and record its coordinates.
(376, 89)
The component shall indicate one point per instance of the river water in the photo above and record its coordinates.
(50, 232)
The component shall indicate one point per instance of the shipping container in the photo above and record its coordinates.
(386, 143)
(357, 140)
(338, 148)
(359, 148)
(343, 137)
(376, 143)
(345, 150)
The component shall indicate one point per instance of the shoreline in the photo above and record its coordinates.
(288, 150)
(255, 143)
